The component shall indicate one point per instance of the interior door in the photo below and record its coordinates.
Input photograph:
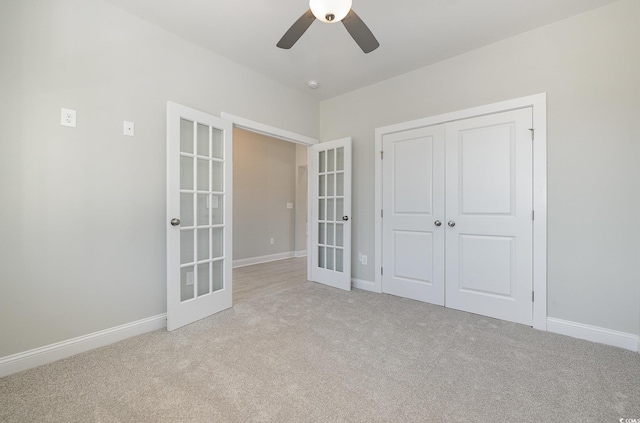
(413, 211)
(489, 192)
(329, 259)
(199, 200)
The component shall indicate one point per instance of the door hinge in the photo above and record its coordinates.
(533, 132)
(381, 213)
(381, 154)
(381, 271)
(533, 296)
(533, 215)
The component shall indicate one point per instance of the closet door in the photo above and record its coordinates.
(489, 257)
(413, 214)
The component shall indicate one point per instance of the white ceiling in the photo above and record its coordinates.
(412, 34)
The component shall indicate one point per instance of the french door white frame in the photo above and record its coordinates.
(538, 103)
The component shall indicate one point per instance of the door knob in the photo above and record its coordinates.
(345, 217)
(175, 222)
(451, 223)
(437, 223)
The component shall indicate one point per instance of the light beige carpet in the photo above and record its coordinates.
(317, 354)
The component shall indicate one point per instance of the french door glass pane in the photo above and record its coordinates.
(339, 184)
(186, 283)
(321, 209)
(186, 136)
(330, 185)
(320, 233)
(321, 257)
(216, 208)
(203, 279)
(339, 234)
(339, 259)
(203, 140)
(217, 243)
(321, 162)
(330, 234)
(217, 150)
(186, 209)
(329, 258)
(203, 175)
(186, 173)
(340, 159)
(203, 210)
(330, 209)
(339, 209)
(203, 244)
(331, 160)
(321, 185)
(217, 282)
(186, 246)
(217, 169)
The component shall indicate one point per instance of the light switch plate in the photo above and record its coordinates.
(68, 118)
(289, 205)
(129, 128)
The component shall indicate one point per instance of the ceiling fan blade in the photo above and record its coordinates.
(360, 32)
(297, 29)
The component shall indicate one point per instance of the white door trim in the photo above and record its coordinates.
(271, 131)
(538, 103)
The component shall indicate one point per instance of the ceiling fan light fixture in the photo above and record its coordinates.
(330, 11)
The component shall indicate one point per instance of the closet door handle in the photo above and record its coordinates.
(437, 223)
(175, 222)
(451, 223)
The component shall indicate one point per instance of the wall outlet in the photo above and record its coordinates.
(272, 241)
(68, 118)
(363, 260)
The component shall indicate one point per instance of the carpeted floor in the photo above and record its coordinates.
(317, 354)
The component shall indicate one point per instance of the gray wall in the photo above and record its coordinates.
(589, 66)
(264, 181)
(82, 211)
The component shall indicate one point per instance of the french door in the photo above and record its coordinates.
(329, 259)
(199, 181)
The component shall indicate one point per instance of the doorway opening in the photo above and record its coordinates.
(269, 214)
(270, 208)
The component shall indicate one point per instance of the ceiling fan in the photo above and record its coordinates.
(331, 11)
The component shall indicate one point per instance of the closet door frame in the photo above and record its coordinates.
(539, 138)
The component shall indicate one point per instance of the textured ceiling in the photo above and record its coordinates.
(412, 34)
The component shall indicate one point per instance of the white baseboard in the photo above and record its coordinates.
(615, 338)
(43, 355)
(364, 285)
(262, 259)
(301, 253)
